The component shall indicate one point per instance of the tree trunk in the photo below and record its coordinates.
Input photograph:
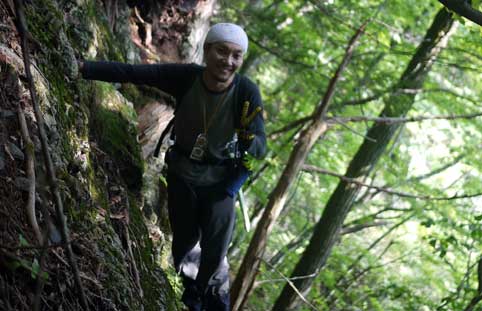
(328, 227)
(478, 297)
(465, 9)
(473, 303)
(249, 268)
(169, 31)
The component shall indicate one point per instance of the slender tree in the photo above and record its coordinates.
(478, 296)
(327, 229)
(249, 268)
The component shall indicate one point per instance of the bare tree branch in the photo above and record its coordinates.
(453, 93)
(378, 95)
(456, 294)
(130, 254)
(30, 207)
(388, 120)
(290, 126)
(359, 227)
(463, 51)
(296, 242)
(337, 120)
(379, 239)
(364, 100)
(311, 168)
(343, 281)
(374, 215)
(261, 282)
(280, 56)
(358, 275)
(292, 285)
(368, 195)
(479, 275)
(437, 170)
(463, 8)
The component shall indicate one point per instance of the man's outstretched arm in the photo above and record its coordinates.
(171, 78)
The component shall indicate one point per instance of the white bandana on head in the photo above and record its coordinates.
(226, 32)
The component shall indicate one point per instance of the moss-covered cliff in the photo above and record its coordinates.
(93, 141)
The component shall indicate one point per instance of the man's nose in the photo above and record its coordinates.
(228, 60)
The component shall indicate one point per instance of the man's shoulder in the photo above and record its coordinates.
(248, 90)
(191, 68)
(246, 84)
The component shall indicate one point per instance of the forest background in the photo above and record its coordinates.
(370, 197)
(409, 238)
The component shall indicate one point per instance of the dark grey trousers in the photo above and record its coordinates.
(202, 221)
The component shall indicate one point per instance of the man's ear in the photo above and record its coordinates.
(206, 47)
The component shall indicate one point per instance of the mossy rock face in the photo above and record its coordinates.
(141, 95)
(150, 268)
(115, 129)
(93, 140)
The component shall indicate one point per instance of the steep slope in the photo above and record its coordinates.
(92, 129)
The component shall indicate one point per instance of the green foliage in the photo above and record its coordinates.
(422, 264)
(35, 268)
(22, 241)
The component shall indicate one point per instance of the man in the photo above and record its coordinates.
(217, 122)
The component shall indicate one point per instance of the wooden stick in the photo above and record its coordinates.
(30, 155)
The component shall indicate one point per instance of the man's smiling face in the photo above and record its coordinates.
(222, 60)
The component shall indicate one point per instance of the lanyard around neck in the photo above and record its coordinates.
(218, 105)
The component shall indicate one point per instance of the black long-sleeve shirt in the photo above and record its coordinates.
(196, 107)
